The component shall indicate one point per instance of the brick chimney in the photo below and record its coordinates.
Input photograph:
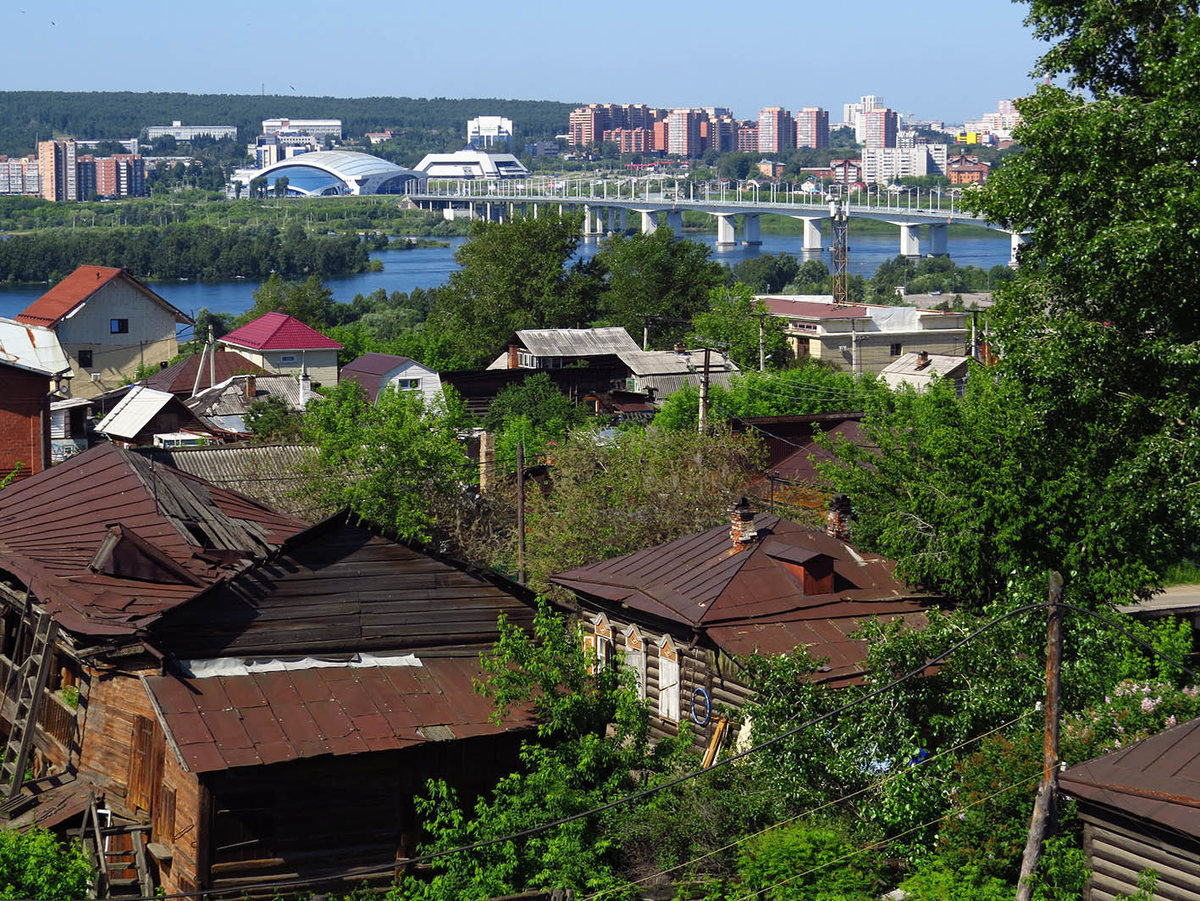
(837, 519)
(514, 357)
(922, 359)
(251, 387)
(741, 524)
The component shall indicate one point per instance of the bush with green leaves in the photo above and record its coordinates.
(802, 862)
(34, 864)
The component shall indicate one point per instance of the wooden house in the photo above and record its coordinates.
(683, 613)
(1140, 807)
(109, 324)
(228, 695)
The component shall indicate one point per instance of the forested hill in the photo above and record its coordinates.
(27, 116)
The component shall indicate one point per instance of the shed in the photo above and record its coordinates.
(1140, 806)
(143, 413)
(378, 371)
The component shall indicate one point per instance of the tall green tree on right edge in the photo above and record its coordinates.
(1085, 439)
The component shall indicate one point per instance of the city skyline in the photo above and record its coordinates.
(948, 69)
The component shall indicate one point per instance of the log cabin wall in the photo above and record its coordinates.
(699, 667)
(1119, 849)
(180, 825)
(116, 720)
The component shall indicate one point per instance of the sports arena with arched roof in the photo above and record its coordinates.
(331, 172)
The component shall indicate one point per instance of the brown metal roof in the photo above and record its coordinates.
(369, 371)
(753, 599)
(1156, 779)
(180, 378)
(223, 722)
(53, 525)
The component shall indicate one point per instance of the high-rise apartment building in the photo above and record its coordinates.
(683, 132)
(747, 138)
(586, 125)
(722, 133)
(882, 126)
(19, 175)
(812, 127)
(630, 140)
(776, 130)
(855, 114)
(58, 170)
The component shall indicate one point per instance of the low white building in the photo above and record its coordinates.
(319, 127)
(181, 132)
(882, 165)
(378, 372)
(865, 337)
(485, 132)
(471, 164)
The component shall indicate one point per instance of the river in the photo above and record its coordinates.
(429, 267)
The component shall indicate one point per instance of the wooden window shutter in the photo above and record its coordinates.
(141, 764)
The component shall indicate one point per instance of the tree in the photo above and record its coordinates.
(34, 864)
(281, 186)
(534, 412)
(659, 277)
(271, 419)
(515, 275)
(734, 318)
(767, 274)
(309, 301)
(391, 462)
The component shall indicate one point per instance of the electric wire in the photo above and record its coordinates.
(891, 777)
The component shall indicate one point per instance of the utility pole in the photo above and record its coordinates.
(703, 426)
(1044, 822)
(521, 512)
(762, 347)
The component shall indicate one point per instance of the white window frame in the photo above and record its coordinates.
(635, 658)
(668, 680)
(602, 642)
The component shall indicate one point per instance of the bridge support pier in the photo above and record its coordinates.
(649, 221)
(675, 222)
(624, 220)
(726, 233)
(937, 241)
(910, 240)
(812, 236)
(752, 234)
(535, 211)
(1018, 241)
(612, 219)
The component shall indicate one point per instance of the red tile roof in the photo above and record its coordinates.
(76, 288)
(753, 599)
(279, 331)
(222, 722)
(179, 378)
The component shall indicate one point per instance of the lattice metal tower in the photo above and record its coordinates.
(840, 252)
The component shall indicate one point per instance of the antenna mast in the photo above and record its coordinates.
(840, 253)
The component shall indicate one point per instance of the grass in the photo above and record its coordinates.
(1185, 572)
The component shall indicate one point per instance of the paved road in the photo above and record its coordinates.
(1176, 596)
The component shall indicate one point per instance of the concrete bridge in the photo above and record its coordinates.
(608, 203)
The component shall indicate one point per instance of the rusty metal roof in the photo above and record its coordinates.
(77, 288)
(180, 378)
(53, 525)
(1156, 779)
(753, 599)
(223, 722)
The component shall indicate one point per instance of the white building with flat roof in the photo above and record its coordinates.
(471, 164)
(485, 132)
(316, 127)
(181, 132)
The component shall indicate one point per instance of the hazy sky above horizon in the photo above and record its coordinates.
(664, 54)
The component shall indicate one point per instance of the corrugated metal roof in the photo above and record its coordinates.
(753, 598)
(278, 331)
(667, 362)
(227, 722)
(76, 288)
(229, 398)
(53, 524)
(134, 412)
(908, 369)
(180, 378)
(1156, 779)
(576, 342)
(31, 347)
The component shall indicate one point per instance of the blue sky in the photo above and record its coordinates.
(949, 61)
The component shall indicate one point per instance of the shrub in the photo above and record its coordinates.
(35, 864)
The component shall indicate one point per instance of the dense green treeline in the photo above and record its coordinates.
(27, 116)
(182, 251)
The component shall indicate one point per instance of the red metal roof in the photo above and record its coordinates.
(223, 722)
(76, 288)
(53, 524)
(279, 331)
(782, 306)
(1156, 779)
(179, 378)
(752, 599)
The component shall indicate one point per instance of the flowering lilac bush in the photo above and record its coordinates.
(1132, 711)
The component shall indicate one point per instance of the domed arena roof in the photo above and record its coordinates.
(329, 172)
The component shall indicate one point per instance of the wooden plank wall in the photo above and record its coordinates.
(1118, 852)
(115, 701)
(180, 823)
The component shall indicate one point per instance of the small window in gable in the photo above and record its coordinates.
(635, 658)
(668, 680)
(118, 326)
(408, 384)
(895, 350)
(287, 358)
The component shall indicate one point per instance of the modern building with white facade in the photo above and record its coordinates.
(486, 132)
(883, 165)
(318, 127)
(471, 164)
(329, 173)
(181, 132)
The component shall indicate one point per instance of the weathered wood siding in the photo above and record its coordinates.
(117, 706)
(319, 817)
(180, 824)
(1118, 851)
